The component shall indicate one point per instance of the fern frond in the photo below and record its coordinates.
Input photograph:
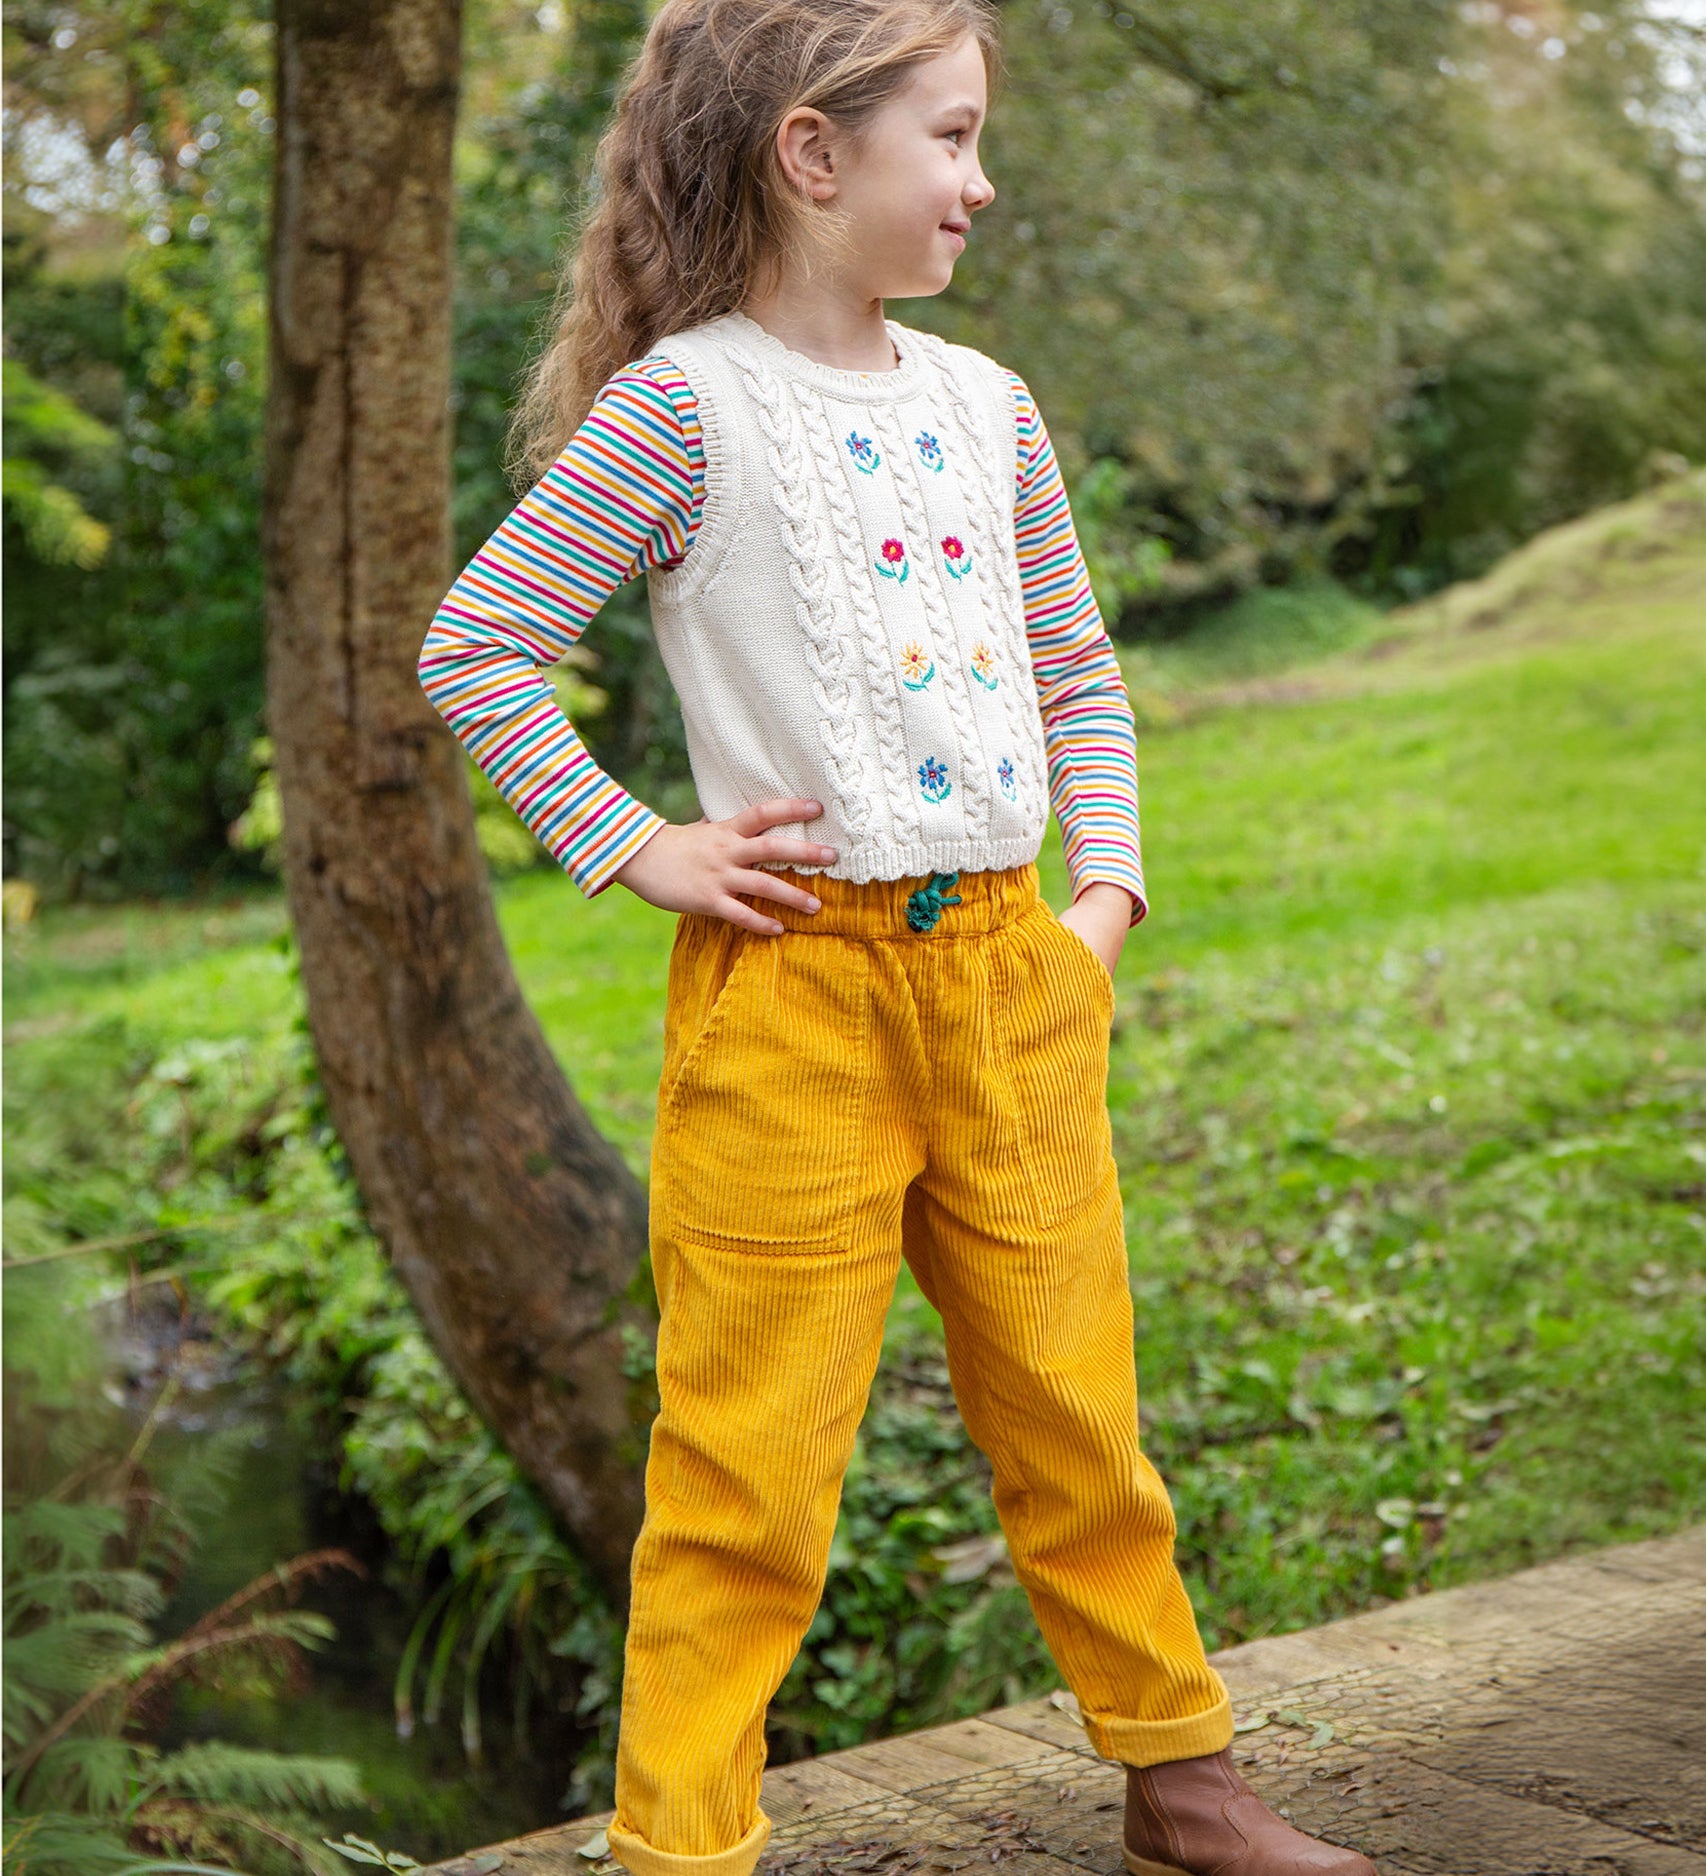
(285, 1578)
(260, 1651)
(215, 1773)
(53, 1535)
(62, 1589)
(140, 1676)
(22, 1711)
(93, 1774)
(57, 1843)
(62, 1655)
(214, 1830)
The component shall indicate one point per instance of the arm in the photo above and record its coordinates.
(624, 495)
(1089, 731)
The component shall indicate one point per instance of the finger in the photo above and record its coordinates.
(785, 847)
(768, 886)
(763, 814)
(739, 913)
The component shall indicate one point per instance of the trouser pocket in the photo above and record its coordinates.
(760, 1122)
(1053, 1009)
(1100, 975)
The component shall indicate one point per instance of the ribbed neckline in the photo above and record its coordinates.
(904, 377)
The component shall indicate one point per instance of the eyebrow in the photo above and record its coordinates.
(961, 106)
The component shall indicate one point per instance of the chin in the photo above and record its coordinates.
(928, 285)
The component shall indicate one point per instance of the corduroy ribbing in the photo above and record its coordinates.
(834, 1098)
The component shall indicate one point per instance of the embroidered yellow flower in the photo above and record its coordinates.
(916, 670)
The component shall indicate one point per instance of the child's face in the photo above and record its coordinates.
(915, 178)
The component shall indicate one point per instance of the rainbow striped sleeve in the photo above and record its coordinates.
(1088, 727)
(624, 495)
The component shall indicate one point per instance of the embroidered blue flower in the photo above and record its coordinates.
(916, 666)
(865, 455)
(983, 665)
(929, 451)
(1004, 775)
(894, 552)
(933, 779)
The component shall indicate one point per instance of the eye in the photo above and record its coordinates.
(955, 134)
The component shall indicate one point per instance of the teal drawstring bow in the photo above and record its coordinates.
(925, 906)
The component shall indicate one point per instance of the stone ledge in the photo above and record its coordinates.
(1550, 1723)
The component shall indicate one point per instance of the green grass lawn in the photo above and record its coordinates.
(1407, 1072)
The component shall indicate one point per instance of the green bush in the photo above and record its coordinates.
(91, 1548)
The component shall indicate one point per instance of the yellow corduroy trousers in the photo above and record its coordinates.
(834, 1098)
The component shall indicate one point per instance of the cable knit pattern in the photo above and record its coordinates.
(882, 672)
(814, 609)
(1003, 602)
(819, 580)
(973, 778)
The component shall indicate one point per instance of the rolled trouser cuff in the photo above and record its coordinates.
(638, 1856)
(1154, 1742)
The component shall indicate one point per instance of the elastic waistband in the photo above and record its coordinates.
(878, 908)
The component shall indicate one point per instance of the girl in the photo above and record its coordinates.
(880, 1042)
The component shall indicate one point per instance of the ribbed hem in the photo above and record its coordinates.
(1154, 1742)
(866, 864)
(635, 1854)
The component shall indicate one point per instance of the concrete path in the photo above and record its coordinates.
(1551, 1723)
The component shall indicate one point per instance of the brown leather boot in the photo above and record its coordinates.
(1197, 1817)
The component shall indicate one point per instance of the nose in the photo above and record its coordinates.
(981, 193)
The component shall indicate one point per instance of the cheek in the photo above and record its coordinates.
(913, 192)
(937, 185)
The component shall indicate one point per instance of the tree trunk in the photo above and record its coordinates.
(514, 1225)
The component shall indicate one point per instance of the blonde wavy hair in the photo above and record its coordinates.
(691, 212)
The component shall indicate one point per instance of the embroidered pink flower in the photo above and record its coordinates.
(894, 552)
(954, 555)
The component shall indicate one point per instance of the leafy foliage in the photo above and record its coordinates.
(43, 425)
(134, 689)
(90, 1552)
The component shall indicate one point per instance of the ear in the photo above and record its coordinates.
(805, 150)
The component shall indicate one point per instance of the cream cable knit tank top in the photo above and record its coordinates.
(848, 623)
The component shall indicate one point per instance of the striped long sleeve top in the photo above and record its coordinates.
(626, 494)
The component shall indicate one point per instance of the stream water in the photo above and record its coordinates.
(258, 1485)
